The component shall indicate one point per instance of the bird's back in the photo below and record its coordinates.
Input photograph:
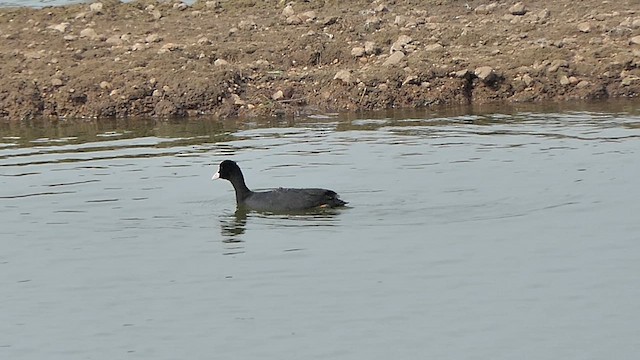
(284, 199)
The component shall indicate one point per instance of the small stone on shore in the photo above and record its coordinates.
(394, 58)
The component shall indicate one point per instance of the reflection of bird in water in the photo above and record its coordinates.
(279, 200)
(233, 225)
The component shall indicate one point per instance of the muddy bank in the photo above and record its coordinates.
(254, 58)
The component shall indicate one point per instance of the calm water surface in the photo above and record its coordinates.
(500, 235)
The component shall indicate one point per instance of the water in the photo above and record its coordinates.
(45, 3)
(502, 235)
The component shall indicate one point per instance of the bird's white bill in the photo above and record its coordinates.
(216, 176)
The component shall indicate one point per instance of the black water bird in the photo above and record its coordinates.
(276, 200)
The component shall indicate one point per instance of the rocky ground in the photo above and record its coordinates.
(269, 57)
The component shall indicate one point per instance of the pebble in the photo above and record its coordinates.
(204, 41)
(168, 47)
(247, 25)
(485, 73)
(156, 93)
(629, 80)
(584, 27)
(56, 82)
(370, 48)
(564, 80)
(344, 76)
(635, 40)
(220, 62)
(486, 9)
(528, 80)
(96, 7)
(278, 95)
(294, 20)
(180, 6)
(394, 58)
(556, 64)
(582, 84)
(152, 38)
(308, 16)
(114, 40)
(62, 27)
(156, 14)
(70, 37)
(288, 11)
(461, 73)
(89, 33)
(400, 43)
(105, 85)
(433, 47)
(237, 100)
(358, 51)
(381, 8)
(518, 9)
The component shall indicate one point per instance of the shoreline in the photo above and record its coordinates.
(252, 58)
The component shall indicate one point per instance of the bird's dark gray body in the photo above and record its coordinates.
(276, 200)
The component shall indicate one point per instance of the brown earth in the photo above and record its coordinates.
(261, 57)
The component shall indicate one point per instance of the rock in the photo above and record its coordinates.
(156, 14)
(168, 47)
(344, 76)
(247, 25)
(518, 9)
(215, 4)
(381, 8)
(329, 20)
(180, 6)
(204, 41)
(372, 23)
(89, 33)
(220, 62)
(582, 84)
(105, 85)
(62, 27)
(96, 8)
(544, 14)
(635, 40)
(629, 80)
(370, 48)
(152, 38)
(584, 27)
(556, 64)
(358, 51)
(294, 20)
(411, 79)
(527, 79)
(308, 16)
(288, 11)
(486, 9)
(394, 58)
(55, 82)
(401, 42)
(237, 100)
(114, 40)
(486, 74)
(461, 73)
(70, 37)
(278, 95)
(400, 20)
(157, 93)
(433, 47)
(564, 80)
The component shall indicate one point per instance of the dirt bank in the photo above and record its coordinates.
(262, 57)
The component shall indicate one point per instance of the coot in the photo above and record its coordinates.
(276, 200)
